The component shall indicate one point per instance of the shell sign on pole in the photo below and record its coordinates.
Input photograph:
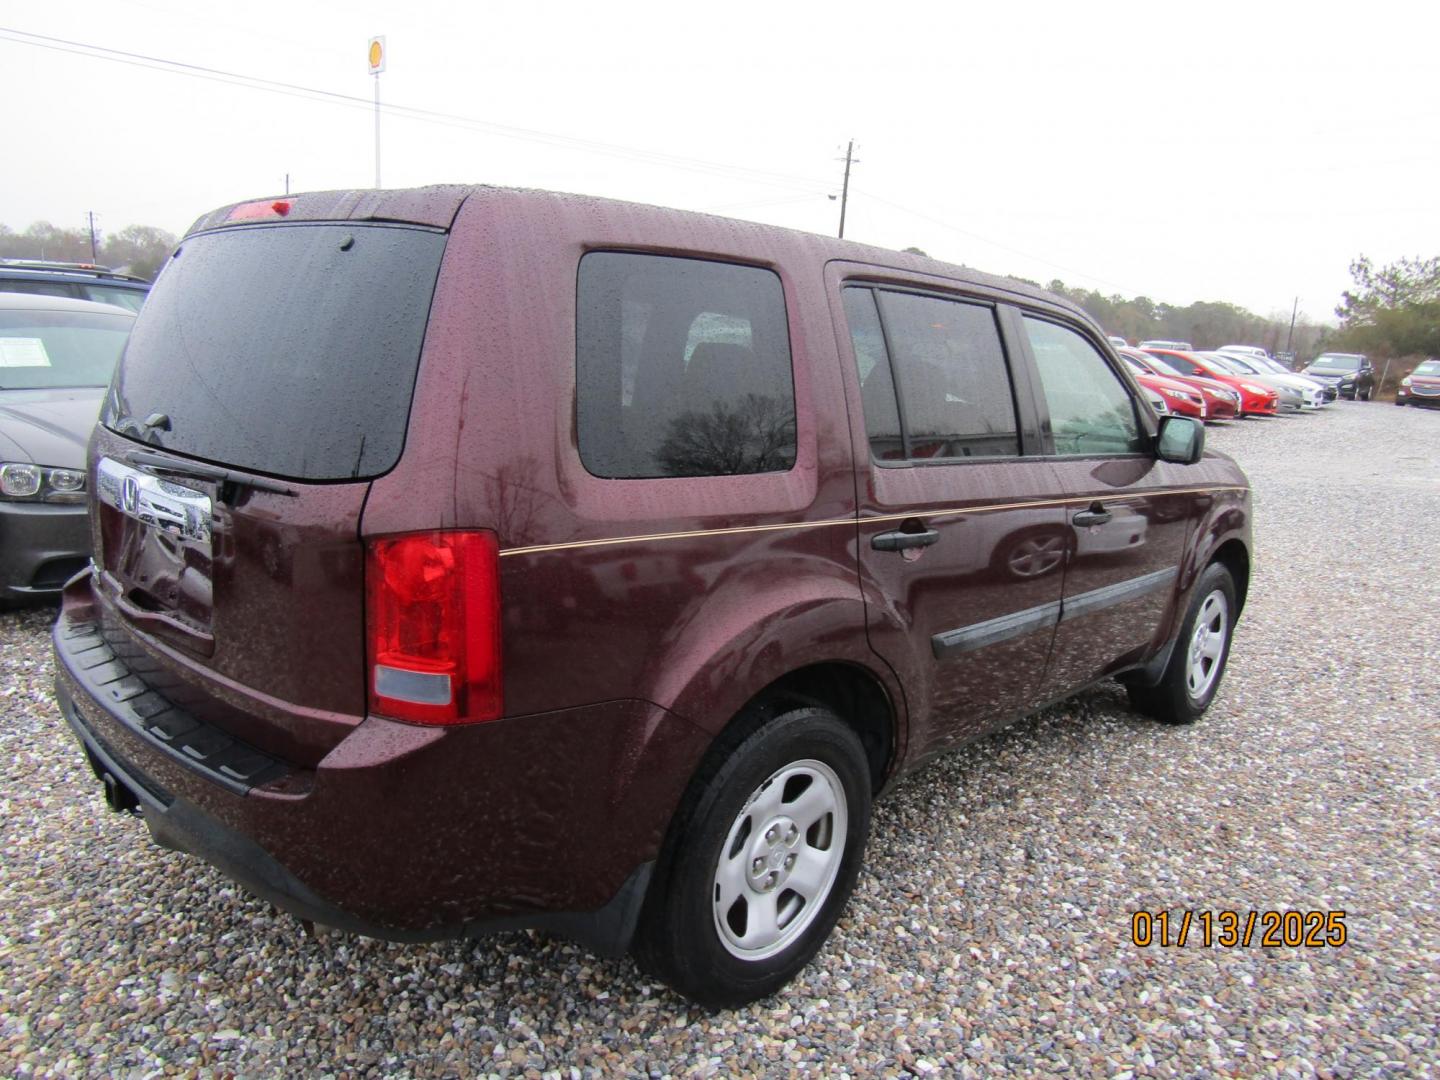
(377, 55)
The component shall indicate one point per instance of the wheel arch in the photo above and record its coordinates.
(1235, 557)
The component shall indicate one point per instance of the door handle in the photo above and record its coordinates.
(1096, 515)
(904, 541)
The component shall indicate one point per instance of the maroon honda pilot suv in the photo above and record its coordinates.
(470, 558)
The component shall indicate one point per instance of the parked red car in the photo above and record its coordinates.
(470, 559)
(1255, 399)
(1221, 402)
(1179, 398)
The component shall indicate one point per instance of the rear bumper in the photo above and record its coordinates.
(41, 545)
(550, 821)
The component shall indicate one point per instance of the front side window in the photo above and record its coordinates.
(944, 368)
(1091, 411)
(682, 368)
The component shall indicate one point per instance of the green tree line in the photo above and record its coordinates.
(1392, 311)
(135, 249)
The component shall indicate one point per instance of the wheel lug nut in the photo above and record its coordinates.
(772, 834)
(790, 862)
(757, 865)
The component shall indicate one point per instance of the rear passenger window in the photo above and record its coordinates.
(933, 379)
(1091, 412)
(682, 368)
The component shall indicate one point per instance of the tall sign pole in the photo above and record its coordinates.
(376, 57)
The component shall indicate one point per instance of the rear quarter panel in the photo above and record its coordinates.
(689, 593)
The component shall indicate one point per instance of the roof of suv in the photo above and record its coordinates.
(40, 270)
(436, 206)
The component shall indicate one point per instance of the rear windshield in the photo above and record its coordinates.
(130, 299)
(282, 349)
(53, 349)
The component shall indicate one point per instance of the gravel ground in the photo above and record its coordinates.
(991, 928)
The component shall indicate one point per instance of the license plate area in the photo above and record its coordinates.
(157, 551)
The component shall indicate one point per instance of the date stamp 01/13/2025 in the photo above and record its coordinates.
(1239, 929)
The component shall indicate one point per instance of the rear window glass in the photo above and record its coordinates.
(115, 294)
(54, 349)
(290, 350)
(682, 368)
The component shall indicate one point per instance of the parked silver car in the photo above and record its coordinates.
(1296, 392)
(56, 358)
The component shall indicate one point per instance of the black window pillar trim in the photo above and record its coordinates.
(894, 372)
(1031, 411)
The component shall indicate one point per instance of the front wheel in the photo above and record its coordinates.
(1197, 663)
(760, 861)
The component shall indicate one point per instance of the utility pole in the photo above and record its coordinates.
(845, 187)
(1290, 337)
(94, 246)
(287, 183)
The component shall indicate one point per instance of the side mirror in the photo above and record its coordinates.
(1181, 440)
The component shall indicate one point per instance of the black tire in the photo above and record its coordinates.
(1399, 402)
(679, 937)
(1172, 700)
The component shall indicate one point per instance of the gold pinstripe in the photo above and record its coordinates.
(536, 549)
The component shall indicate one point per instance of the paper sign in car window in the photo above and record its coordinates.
(23, 352)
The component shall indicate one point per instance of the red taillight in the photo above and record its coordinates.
(434, 627)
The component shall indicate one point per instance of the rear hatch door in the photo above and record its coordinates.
(267, 382)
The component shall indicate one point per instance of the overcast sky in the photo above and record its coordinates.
(1185, 152)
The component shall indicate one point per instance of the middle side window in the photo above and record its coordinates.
(934, 381)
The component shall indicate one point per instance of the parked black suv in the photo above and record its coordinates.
(1350, 374)
(80, 281)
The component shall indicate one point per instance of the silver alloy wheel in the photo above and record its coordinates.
(780, 860)
(1036, 555)
(1207, 645)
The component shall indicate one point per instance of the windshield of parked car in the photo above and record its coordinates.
(1244, 365)
(1337, 363)
(1165, 366)
(1227, 364)
(47, 350)
(1429, 367)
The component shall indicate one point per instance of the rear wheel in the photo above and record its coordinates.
(1197, 663)
(760, 861)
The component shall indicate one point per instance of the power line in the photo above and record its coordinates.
(179, 67)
